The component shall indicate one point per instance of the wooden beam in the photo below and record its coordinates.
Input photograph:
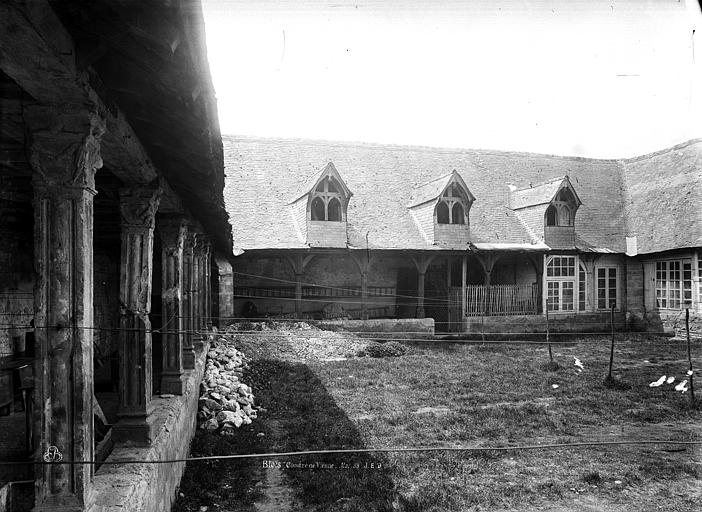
(47, 72)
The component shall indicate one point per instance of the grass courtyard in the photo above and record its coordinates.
(458, 395)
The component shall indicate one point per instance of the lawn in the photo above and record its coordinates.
(444, 394)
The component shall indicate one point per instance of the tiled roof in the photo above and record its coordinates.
(263, 175)
(664, 198)
(537, 194)
(429, 191)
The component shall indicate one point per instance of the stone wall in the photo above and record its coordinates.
(16, 262)
(152, 487)
(582, 322)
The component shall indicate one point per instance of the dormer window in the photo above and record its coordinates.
(326, 201)
(451, 208)
(561, 211)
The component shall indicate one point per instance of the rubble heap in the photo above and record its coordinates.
(225, 403)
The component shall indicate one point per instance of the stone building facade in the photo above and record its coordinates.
(115, 242)
(477, 240)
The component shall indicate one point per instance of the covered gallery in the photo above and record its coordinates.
(114, 236)
(474, 239)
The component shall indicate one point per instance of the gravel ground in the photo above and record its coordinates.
(294, 341)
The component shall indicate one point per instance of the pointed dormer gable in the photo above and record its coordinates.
(549, 208)
(320, 207)
(441, 207)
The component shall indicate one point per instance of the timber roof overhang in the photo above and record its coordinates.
(145, 63)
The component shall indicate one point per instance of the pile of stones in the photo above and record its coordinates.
(225, 402)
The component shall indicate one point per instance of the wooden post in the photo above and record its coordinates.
(464, 277)
(172, 233)
(189, 324)
(420, 295)
(689, 356)
(138, 208)
(548, 336)
(611, 352)
(65, 155)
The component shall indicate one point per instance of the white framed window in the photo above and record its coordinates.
(674, 289)
(607, 286)
(582, 287)
(562, 283)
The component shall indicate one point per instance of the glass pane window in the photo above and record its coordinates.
(581, 288)
(673, 284)
(607, 287)
(687, 284)
(561, 266)
(554, 293)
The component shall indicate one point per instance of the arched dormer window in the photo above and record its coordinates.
(551, 216)
(561, 211)
(327, 201)
(452, 207)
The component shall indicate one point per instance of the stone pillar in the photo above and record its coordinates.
(189, 324)
(64, 151)
(172, 233)
(226, 292)
(298, 295)
(138, 208)
(197, 300)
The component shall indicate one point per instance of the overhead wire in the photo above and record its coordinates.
(545, 446)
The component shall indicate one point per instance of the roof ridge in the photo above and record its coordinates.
(449, 149)
(676, 147)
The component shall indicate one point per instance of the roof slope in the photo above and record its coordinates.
(263, 175)
(664, 198)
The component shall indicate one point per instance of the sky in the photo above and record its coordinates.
(602, 79)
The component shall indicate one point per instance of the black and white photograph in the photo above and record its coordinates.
(349, 256)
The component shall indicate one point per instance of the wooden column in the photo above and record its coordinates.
(226, 292)
(188, 306)
(422, 263)
(64, 151)
(488, 262)
(172, 232)
(363, 263)
(298, 295)
(298, 262)
(138, 207)
(364, 294)
(206, 308)
(464, 278)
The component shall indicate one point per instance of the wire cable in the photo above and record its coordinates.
(421, 449)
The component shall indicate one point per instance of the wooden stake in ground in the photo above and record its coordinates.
(548, 340)
(689, 355)
(611, 352)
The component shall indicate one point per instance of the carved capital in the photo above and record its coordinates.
(138, 206)
(64, 148)
(191, 241)
(172, 233)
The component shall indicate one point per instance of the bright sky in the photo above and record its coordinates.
(592, 78)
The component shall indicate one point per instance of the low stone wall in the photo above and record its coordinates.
(152, 487)
(673, 322)
(383, 327)
(583, 322)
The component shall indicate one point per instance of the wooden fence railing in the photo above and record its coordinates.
(502, 300)
(313, 291)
